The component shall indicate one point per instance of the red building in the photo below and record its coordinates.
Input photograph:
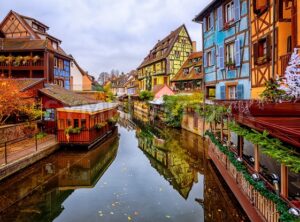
(28, 51)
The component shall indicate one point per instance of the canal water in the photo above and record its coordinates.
(140, 173)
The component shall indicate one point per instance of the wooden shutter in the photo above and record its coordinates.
(237, 10)
(269, 47)
(240, 91)
(212, 20)
(220, 18)
(255, 52)
(213, 56)
(222, 92)
(237, 49)
(204, 24)
(221, 57)
(205, 59)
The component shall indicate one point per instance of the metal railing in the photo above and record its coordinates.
(13, 150)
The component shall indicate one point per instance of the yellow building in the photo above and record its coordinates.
(273, 37)
(165, 59)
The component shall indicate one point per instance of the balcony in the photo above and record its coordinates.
(38, 65)
(284, 60)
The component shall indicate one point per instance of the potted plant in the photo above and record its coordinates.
(35, 58)
(99, 126)
(113, 120)
(230, 64)
(2, 58)
(26, 59)
(18, 60)
(9, 59)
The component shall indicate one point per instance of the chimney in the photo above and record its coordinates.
(194, 46)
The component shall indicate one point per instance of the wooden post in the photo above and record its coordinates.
(228, 132)
(222, 130)
(240, 146)
(5, 153)
(284, 181)
(256, 158)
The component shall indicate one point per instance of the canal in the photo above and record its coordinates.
(140, 173)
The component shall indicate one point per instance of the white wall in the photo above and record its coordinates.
(77, 77)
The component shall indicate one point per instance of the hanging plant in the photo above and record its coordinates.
(35, 58)
(2, 58)
(26, 59)
(99, 126)
(9, 59)
(18, 60)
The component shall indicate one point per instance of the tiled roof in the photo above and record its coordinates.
(22, 44)
(66, 97)
(91, 108)
(164, 45)
(24, 83)
(190, 64)
(119, 82)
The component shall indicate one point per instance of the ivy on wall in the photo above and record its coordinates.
(272, 147)
(259, 186)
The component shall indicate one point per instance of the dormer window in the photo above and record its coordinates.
(186, 71)
(198, 69)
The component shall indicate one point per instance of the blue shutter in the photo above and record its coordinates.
(221, 57)
(240, 91)
(205, 59)
(220, 18)
(222, 92)
(237, 10)
(237, 49)
(212, 20)
(204, 25)
(213, 56)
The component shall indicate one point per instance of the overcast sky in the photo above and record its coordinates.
(110, 34)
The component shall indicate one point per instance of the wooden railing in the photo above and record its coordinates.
(265, 207)
(22, 64)
(284, 60)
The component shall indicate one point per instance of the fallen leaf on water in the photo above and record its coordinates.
(113, 204)
(136, 213)
(101, 215)
(129, 218)
(111, 213)
(168, 216)
(160, 189)
(219, 210)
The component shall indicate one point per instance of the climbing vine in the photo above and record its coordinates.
(272, 147)
(281, 206)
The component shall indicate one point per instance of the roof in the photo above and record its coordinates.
(164, 45)
(24, 84)
(34, 20)
(91, 108)
(157, 88)
(119, 82)
(208, 8)
(158, 101)
(190, 64)
(66, 97)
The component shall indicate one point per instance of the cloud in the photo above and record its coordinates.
(110, 34)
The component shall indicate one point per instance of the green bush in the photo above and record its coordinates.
(146, 95)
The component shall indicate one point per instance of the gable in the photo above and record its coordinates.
(14, 27)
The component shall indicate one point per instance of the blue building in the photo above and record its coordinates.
(226, 51)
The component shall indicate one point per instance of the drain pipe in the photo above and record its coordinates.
(273, 39)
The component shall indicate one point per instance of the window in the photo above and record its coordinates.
(211, 92)
(155, 81)
(76, 123)
(230, 54)
(209, 58)
(60, 64)
(55, 45)
(260, 6)
(49, 115)
(231, 92)
(262, 51)
(61, 124)
(69, 122)
(83, 123)
(166, 80)
(177, 54)
(229, 12)
(55, 62)
(198, 69)
(208, 23)
(186, 71)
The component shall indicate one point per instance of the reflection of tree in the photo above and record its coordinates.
(38, 193)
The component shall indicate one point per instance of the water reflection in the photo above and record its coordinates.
(38, 192)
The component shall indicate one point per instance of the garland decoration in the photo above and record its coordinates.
(259, 186)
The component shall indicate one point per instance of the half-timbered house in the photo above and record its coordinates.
(165, 59)
(29, 51)
(273, 37)
(226, 49)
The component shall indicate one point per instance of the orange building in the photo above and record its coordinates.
(273, 37)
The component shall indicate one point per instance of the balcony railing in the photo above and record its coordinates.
(284, 62)
(23, 64)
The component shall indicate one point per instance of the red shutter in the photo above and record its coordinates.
(255, 52)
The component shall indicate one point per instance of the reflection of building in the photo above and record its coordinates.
(39, 193)
(170, 160)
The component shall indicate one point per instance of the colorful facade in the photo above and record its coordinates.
(190, 76)
(165, 59)
(226, 57)
(273, 37)
(28, 51)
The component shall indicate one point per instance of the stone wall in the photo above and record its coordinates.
(12, 132)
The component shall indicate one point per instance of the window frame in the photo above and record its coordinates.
(226, 19)
(261, 10)
(231, 46)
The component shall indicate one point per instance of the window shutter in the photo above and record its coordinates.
(205, 59)
(240, 91)
(221, 57)
(220, 18)
(204, 24)
(237, 10)
(268, 39)
(213, 56)
(223, 92)
(212, 20)
(237, 47)
(255, 52)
